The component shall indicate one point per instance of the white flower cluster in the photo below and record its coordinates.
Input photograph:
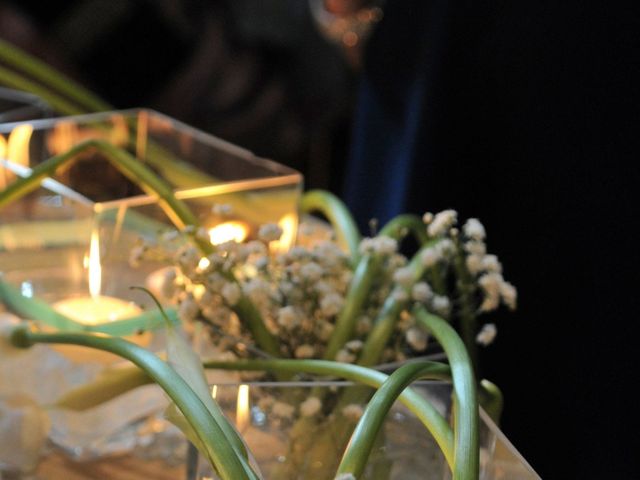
(301, 293)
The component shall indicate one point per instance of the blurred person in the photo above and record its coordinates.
(254, 72)
(526, 116)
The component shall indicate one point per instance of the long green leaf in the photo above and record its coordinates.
(466, 455)
(229, 464)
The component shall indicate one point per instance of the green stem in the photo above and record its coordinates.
(466, 455)
(17, 81)
(250, 316)
(338, 215)
(39, 70)
(363, 279)
(359, 289)
(419, 406)
(220, 447)
(364, 436)
(466, 290)
(491, 399)
(388, 315)
(406, 223)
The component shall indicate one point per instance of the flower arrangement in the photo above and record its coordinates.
(333, 307)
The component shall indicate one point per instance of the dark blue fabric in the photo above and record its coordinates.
(525, 114)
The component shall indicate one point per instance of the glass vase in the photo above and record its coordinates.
(290, 440)
(47, 236)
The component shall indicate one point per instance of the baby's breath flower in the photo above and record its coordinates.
(167, 283)
(441, 305)
(421, 292)
(311, 272)
(386, 245)
(430, 257)
(202, 235)
(188, 309)
(331, 304)
(490, 284)
(353, 411)
(269, 232)
(304, 351)
(354, 346)
(400, 294)
(509, 295)
(487, 334)
(188, 258)
(427, 218)
(477, 248)
(445, 246)
(442, 222)
(310, 407)
(474, 264)
(382, 245)
(231, 293)
(256, 248)
(345, 356)
(417, 339)
(473, 229)
(490, 263)
(324, 330)
(288, 317)
(403, 276)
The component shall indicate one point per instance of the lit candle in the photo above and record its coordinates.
(242, 408)
(97, 309)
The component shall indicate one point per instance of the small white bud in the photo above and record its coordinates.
(231, 293)
(474, 230)
(487, 334)
(442, 222)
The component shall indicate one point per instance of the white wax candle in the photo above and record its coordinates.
(95, 311)
(98, 310)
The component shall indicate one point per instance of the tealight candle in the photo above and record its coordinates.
(96, 310)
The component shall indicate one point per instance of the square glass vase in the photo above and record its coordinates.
(292, 438)
(46, 236)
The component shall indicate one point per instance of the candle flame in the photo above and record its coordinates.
(95, 269)
(288, 224)
(15, 149)
(228, 232)
(242, 408)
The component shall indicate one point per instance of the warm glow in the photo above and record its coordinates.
(95, 269)
(214, 391)
(242, 408)
(204, 263)
(228, 232)
(15, 149)
(63, 137)
(288, 224)
(66, 135)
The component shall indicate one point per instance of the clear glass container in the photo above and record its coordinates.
(289, 446)
(45, 236)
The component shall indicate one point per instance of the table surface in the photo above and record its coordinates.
(127, 467)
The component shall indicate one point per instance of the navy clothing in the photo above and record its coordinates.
(524, 114)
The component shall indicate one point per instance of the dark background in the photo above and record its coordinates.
(524, 114)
